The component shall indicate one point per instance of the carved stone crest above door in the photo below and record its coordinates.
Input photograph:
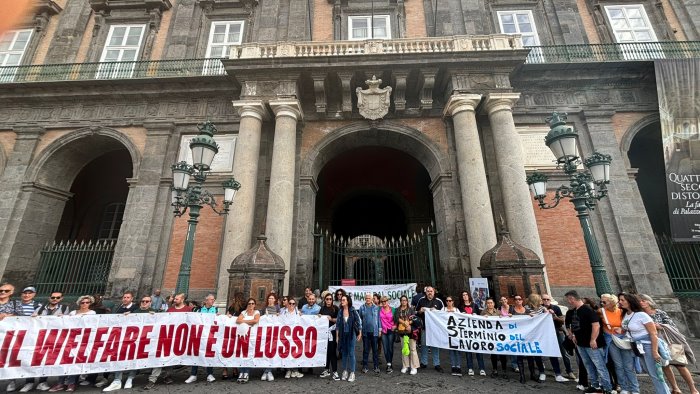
(373, 103)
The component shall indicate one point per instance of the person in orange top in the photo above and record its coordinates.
(619, 365)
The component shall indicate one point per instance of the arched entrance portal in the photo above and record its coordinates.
(75, 195)
(388, 182)
(646, 154)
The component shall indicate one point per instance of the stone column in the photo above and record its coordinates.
(520, 216)
(139, 258)
(280, 205)
(476, 200)
(13, 201)
(238, 233)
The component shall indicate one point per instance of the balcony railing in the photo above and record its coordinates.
(596, 53)
(112, 70)
(493, 42)
(583, 53)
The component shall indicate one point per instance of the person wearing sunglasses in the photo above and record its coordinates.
(84, 303)
(250, 316)
(330, 311)
(292, 310)
(54, 307)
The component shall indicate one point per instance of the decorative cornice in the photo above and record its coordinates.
(107, 6)
(46, 190)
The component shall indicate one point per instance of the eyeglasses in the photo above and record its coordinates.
(449, 300)
(329, 298)
(518, 299)
(292, 303)
(5, 291)
(56, 298)
(603, 302)
(251, 303)
(85, 302)
(546, 299)
(145, 301)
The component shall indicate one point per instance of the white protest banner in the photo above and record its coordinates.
(76, 345)
(519, 335)
(394, 292)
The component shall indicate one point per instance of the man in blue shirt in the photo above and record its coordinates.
(369, 313)
(311, 308)
(207, 307)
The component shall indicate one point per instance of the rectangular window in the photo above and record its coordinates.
(222, 36)
(12, 46)
(359, 27)
(519, 22)
(123, 45)
(630, 23)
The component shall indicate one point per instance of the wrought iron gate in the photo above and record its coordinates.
(682, 262)
(75, 268)
(370, 260)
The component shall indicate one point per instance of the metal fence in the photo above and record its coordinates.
(370, 260)
(76, 268)
(112, 70)
(595, 53)
(682, 262)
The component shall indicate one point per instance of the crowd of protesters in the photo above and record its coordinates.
(613, 341)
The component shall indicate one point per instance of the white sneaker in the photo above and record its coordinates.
(270, 377)
(482, 373)
(404, 370)
(264, 376)
(210, 378)
(414, 371)
(351, 378)
(344, 376)
(43, 386)
(297, 375)
(101, 382)
(129, 383)
(12, 386)
(542, 377)
(624, 392)
(288, 375)
(191, 379)
(470, 372)
(114, 386)
(580, 387)
(559, 379)
(326, 373)
(26, 387)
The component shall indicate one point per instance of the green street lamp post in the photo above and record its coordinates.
(192, 197)
(585, 188)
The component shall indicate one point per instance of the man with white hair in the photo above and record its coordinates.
(369, 313)
(429, 302)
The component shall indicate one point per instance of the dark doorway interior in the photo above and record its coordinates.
(95, 210)
(646, 154)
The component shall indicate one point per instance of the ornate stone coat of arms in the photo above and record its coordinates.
(374, 102)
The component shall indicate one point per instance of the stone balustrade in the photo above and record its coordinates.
(493, 42)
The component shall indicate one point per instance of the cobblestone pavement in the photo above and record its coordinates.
(426, 381)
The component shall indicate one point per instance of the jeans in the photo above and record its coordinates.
(424, 352)
(193, 371)
(388, 346)
(244, 370)
(594, 361)
(649, 364)
(623, 359)
(347, 349)
(455, 359)
(369, 340)
(564, 355)
(479, 360)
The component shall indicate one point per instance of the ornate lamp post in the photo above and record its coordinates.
(192, 197)
(584, 190)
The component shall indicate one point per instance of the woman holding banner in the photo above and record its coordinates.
(534, 307)
(468, 306)
(348, 331)
(331, 312)
(409, 355)
(83, 303)
(491, 311)
(292, 310)
(388, 328)
(251, 317)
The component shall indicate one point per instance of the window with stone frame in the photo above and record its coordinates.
(222, 36)
(367, 27)
(13, 45)
(111, 222)
(630, 23)
(519, 22)
(120, 52)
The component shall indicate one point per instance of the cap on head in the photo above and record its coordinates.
(29, 289)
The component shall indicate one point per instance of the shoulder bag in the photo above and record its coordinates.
(621, 342)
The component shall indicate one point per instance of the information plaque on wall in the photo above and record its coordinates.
(223, 161)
